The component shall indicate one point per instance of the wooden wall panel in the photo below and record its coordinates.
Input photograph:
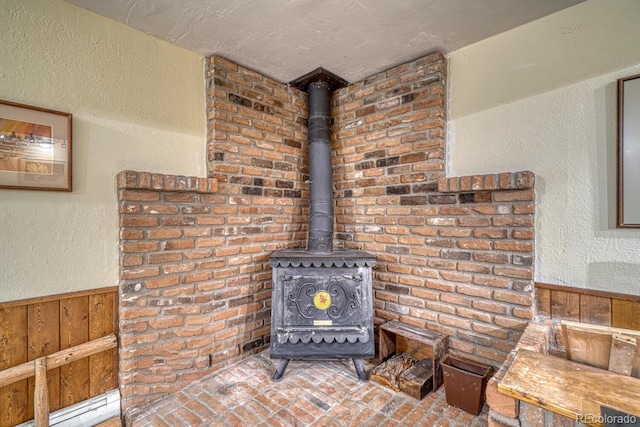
(543, 302)
(40, 326)
(565, 305)
(13, 351)
(74, 330)
(625, 314)
(103, 367)
(43, 331)
(588, 306)
(595, 309)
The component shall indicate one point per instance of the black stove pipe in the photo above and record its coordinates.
(320, 173)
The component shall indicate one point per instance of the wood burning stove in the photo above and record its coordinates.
(322, 300)
(322, 307)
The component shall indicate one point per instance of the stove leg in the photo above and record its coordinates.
(282, 365)
(359, 365)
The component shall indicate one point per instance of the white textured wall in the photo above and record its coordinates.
(137, 103)
(542, 97)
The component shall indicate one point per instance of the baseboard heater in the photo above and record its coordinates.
(86, 413)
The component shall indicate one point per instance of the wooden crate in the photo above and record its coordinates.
(398, 337)
(417, 381)
(388, 372)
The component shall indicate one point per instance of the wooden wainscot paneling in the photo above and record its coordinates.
(74, 330)
(103, 320)
(37, 327)
(588, 306)
(14, 398)
(43, 335)
(625, 314)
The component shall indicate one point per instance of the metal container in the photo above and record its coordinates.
(465, 382)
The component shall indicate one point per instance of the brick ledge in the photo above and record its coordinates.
(133, 180)
(523, 180)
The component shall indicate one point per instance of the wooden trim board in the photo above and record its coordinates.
(57, 297)
(590, 292)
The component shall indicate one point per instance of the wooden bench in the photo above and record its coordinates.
(397, 337)
(570, 389)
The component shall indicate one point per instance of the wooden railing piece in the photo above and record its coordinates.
(41, 395)
(41, 365)
(38, 327)
(60, 358)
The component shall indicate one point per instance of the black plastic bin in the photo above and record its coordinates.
(465, 382)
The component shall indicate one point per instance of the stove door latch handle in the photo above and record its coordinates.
(355, 278)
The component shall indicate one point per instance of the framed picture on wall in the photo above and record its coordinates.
(35, 148)
(629, 152)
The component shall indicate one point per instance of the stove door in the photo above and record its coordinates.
(324, 304)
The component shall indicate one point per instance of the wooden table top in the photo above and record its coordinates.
(569, 388)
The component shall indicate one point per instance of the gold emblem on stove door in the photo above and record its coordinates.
(322, 300)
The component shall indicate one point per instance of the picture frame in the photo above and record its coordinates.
(628, 209)
(35, 148)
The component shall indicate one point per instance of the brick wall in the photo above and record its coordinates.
(195, 284)
(257, 150)
(454, 255)
(172, 306)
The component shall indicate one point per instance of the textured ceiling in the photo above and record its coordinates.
(354, 39)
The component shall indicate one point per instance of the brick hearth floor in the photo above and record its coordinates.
(323, 394)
